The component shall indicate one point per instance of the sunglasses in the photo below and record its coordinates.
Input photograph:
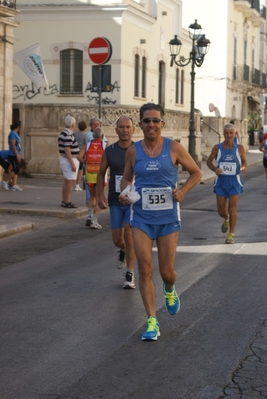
(154, 120)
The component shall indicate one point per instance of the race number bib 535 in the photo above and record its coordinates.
(154, 199)
(228, 168)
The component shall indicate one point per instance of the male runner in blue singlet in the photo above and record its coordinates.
(153, 163)
(230, 161)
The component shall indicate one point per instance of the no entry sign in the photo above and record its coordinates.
(100, 50)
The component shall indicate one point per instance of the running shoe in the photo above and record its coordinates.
(129, 281)
(172, 300)
(225, 226)
(152, 332)
(95, 226)
(88, 222)
(16, 188)
(230, 239)
(77, 188)
(122, 259)
(4, 185)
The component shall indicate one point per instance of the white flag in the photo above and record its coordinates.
(30, 61)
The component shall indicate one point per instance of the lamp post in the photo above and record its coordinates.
(200, 47)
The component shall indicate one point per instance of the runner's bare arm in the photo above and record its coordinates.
(243, 158)
(128, 174)
(102, 200)
(210, 160)
(81, 154)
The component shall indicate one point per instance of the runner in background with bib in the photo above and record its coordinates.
(263, 148)
(230, 161)
(153, 164)
(114, 158)
(92, 151)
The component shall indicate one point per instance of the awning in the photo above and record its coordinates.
(254, 98)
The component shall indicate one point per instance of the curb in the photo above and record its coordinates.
(67, 214)
(10, 229)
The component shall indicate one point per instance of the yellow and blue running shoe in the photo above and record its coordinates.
(152, 332)
(172, 300)
(230, 239)
(225, 226)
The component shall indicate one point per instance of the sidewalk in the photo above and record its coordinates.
(41, 196)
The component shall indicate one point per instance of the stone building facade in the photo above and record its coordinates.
(7, 26)
(42, 124)
(139, 32)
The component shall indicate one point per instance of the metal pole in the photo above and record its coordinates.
(99, 92)
(192, 130)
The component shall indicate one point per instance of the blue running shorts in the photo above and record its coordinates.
(119, 216)
(153, 231)
(225, 186)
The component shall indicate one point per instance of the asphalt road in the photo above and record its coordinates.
(69, 330)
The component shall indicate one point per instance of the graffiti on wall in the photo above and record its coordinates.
(28, 92)
(105, 100)
(110, 87)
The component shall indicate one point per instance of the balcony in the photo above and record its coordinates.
(263, 80)
(255, 76)
(263, 12)
(241, 73)
(251, 10)
(255, 4)
(8, 3)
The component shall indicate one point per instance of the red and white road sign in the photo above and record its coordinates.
(100, 50)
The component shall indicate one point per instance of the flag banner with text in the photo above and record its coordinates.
(30, 61)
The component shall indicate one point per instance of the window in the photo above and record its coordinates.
(71, 71)
(136, 75)
(235, 57)
(235, 50)
(162, 82)
(143, 77)
(245, 52)
(182, 87)
(177, 84)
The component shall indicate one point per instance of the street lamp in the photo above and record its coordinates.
(200, 47)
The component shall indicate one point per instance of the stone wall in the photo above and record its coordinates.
(41, 125)
(212, 130)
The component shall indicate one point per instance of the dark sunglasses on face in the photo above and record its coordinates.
(154, 120)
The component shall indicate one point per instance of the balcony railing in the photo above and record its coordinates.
(263, 11)
(241, 73)
(234, 73)
(255, 4)
(8, 3)
(263, 80)
(255, 76)
(246, 72)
